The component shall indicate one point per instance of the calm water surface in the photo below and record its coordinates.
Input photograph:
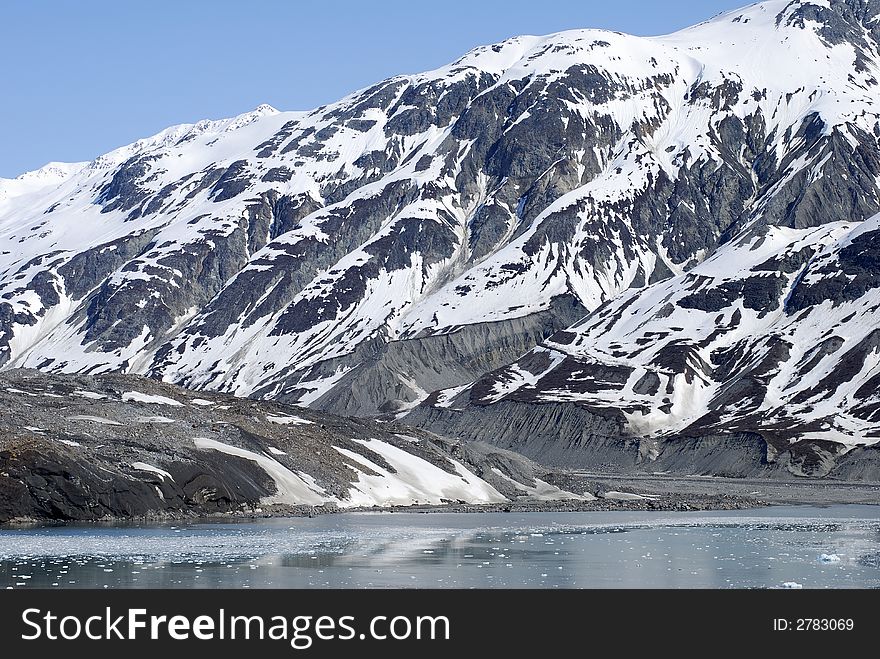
(833, 547)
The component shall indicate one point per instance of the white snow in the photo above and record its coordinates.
(13, 390)
(138, 397)
(293, 488)
(416, 480)
(95, 419)
(155, 419)
(623, 496)
(543, 491)
(286, 420)
(91, 395)
(143, 466)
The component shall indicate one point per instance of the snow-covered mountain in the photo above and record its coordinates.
(768, 352)
(704, 193)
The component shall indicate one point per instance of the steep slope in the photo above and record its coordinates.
(121, 446)
(431, 229)
(766, 355)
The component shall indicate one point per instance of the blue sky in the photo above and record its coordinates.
(82, 78)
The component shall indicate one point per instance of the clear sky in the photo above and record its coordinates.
(83, 77)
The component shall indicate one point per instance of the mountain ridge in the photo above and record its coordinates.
(425, 233)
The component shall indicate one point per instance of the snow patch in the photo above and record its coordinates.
(624, 496)
(150, 399)
(286, 420)
(155, 419)
(415, 480)
(292, 488)
(91, 395)
(543, 491)
(143, 466)
(95, 419)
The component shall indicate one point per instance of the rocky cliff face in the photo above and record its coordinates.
(699, 197)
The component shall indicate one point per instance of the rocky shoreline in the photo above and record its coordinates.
(654, 493)
(673, 503)
(666, 504)
(118, 449)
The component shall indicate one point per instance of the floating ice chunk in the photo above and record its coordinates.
(829, 558)
(792, 585)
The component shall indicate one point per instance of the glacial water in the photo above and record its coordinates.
(809, 547)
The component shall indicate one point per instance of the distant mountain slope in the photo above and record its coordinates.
(771, 346)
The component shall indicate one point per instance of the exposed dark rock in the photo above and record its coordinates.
(126, 189)
(117, 455)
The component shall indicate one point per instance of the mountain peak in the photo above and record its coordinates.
(264, 109)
